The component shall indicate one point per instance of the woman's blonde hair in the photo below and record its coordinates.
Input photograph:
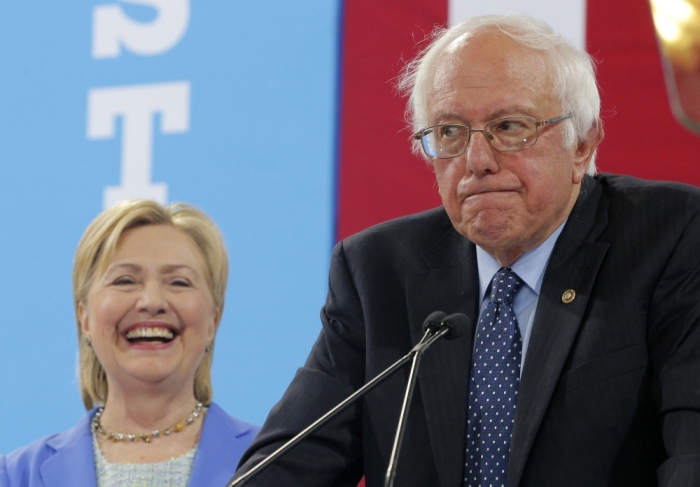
(96, 249)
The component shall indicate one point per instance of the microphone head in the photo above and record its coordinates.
(433, 321)
(456, 323)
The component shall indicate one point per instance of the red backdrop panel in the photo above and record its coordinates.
(379, 178)
(642, 137)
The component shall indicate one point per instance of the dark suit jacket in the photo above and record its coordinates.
(67, 459)
(610, 390)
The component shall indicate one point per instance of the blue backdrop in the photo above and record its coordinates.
(227, 105)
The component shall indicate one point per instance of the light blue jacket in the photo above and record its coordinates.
(67, 459)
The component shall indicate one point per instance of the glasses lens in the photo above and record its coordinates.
(445, 141)
(428, 143)
(512, 133)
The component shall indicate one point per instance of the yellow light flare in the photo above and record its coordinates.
(667, 29)
(677, 11)
(677, 24)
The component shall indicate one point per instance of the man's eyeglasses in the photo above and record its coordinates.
(504, 134)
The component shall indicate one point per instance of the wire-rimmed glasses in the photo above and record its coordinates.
(449, 140)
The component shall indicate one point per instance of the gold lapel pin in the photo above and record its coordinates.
(568, 296)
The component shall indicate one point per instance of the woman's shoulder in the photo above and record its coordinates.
(236, 427)
(28, 457)
(24, 462)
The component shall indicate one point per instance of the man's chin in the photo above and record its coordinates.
(489, 228)
(496, 238)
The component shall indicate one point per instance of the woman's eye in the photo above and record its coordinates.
(180, 282)
(123, 280)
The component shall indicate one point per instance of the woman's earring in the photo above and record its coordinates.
(209, 346)
(87, 341)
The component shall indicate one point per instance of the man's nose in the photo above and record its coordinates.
(480, 157)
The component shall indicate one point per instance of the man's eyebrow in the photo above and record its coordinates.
(446, 118)
(512, 110)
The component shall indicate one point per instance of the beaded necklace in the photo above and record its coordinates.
(96, 426)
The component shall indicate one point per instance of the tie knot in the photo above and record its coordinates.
(504, 285)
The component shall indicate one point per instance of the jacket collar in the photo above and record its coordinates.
(221, 445)
(574, 265)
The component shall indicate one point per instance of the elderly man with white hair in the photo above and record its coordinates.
(582, 363)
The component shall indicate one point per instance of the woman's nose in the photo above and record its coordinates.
(152, 298)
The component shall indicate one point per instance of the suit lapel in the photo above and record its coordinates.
(73, 462)
(450, 285)
(573, 265)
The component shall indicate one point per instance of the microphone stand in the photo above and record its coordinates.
(401, 428)
(430, 336)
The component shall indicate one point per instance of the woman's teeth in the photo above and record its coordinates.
(155, 333)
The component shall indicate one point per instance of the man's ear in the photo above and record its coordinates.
(585, 150)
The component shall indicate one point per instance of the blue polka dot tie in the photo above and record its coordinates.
(493, 385)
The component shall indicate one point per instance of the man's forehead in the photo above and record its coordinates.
(493, 45)
(489, 59)
(487, 77)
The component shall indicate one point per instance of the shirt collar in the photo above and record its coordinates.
(529, 267)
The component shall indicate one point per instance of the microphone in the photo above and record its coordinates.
(438, 325)
(450, 327)
(433, 322)
(435, 326)
(456, 325)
